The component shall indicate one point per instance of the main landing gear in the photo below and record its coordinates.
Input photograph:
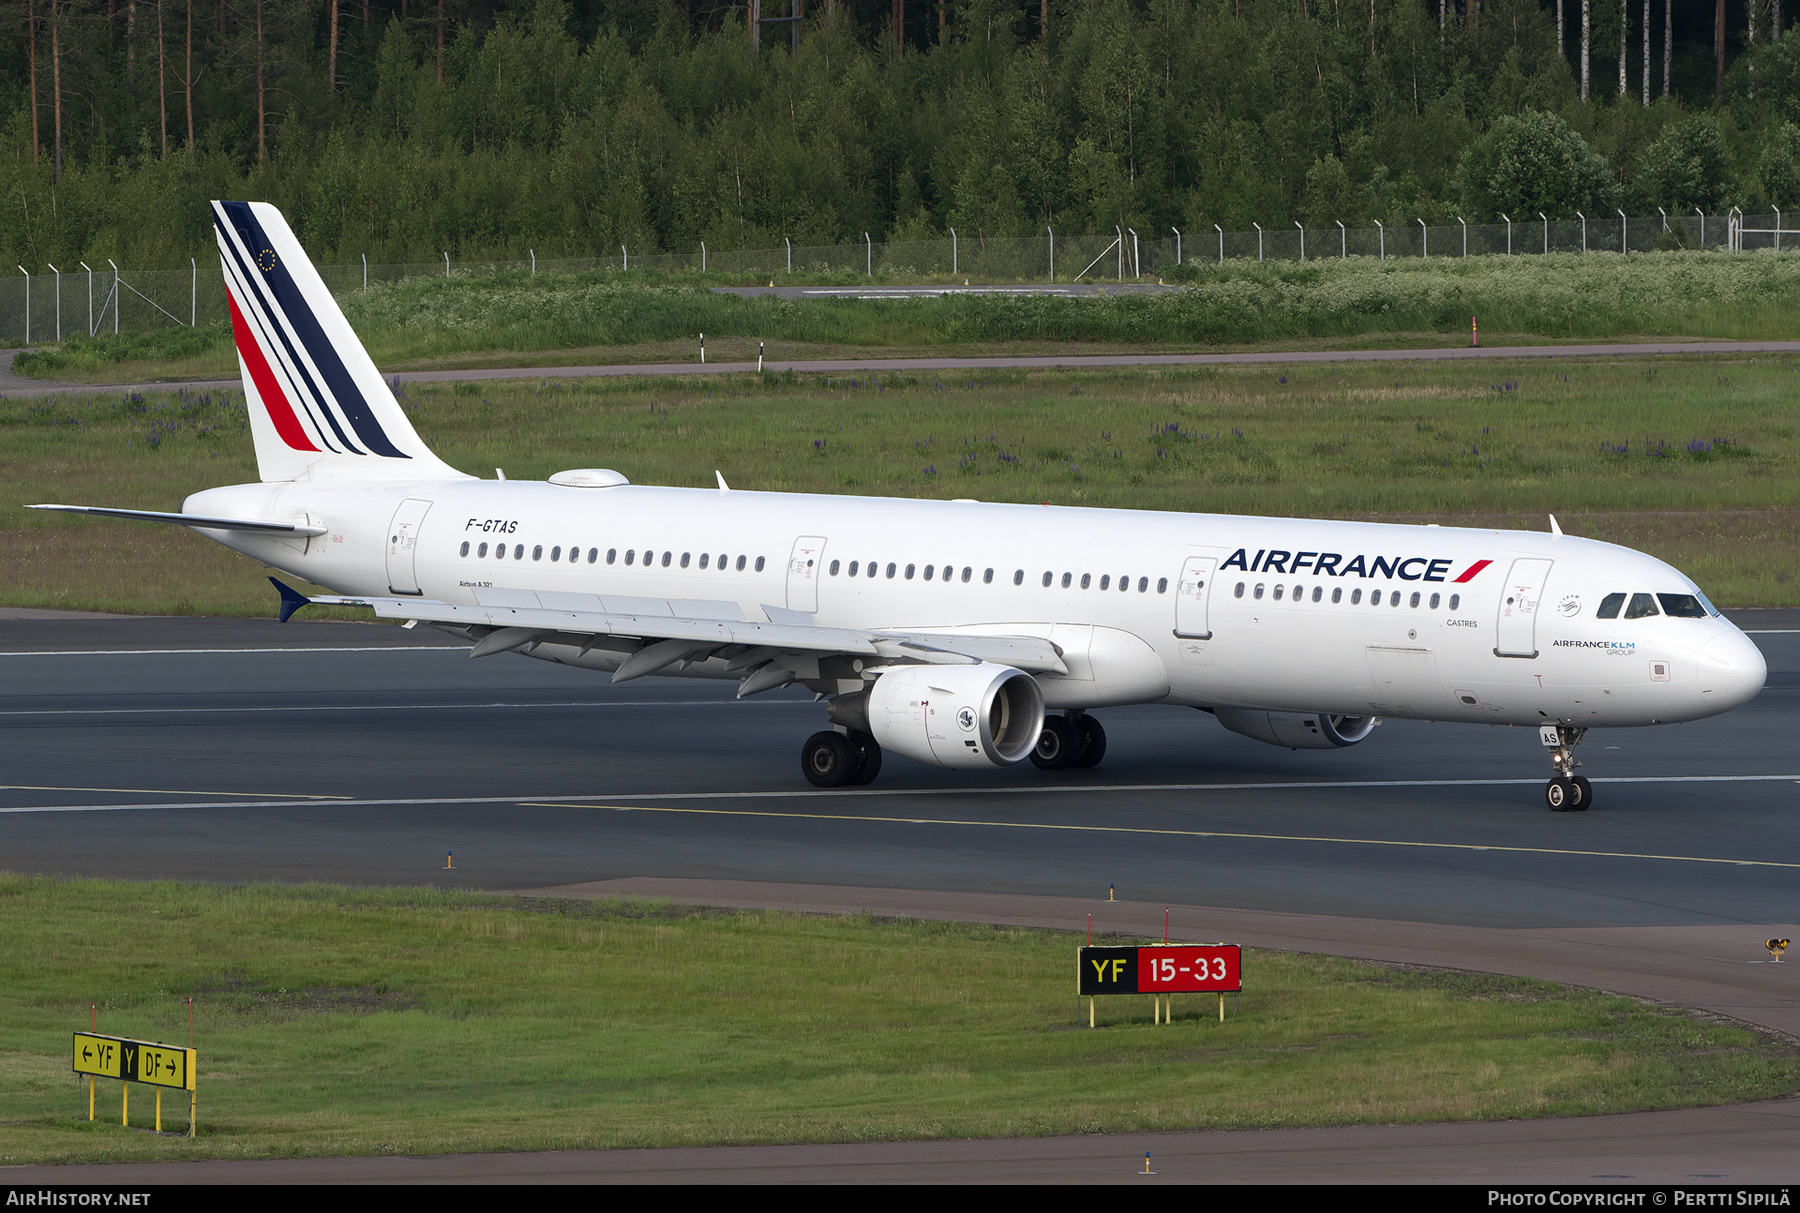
(830, 759)
(1073, 740)
(1567, 792)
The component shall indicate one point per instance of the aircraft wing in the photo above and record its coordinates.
(198, 521)
(677, 631)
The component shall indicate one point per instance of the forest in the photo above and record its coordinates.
(406, 129)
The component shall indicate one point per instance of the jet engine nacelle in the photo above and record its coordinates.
(1298, 730)
(967, 716)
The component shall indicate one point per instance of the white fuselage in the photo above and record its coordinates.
(1516, 640)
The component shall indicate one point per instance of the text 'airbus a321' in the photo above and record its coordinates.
(946, 631)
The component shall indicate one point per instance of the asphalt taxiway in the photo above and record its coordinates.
(234, 751)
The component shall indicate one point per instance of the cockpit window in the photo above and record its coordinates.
(1609, 606)
(1682, 606)
(1642, 606)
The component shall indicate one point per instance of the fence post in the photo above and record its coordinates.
(1343, 241)
(1221, 232)
(58, 274)
(1424, 241)
(1121, 244)
(1052, 232)
(624, 260)
(790, 253)
(1508, 219)
(1702, 215)
(1302, 228)
(870, 254)
(446, 265)
(1259, 240)
(1624, 235)
(1583, 219)
(532, 253)
(1137, 266)
(118, 299)
(1465, 227)
(1777, 211)
(90, 273)
(1546, 220)
(365, 261)
(1665, 218)
(703, 256)
(193, 293)
(953, 262)
(1177, 232)
(1382, 238)
(27, 274)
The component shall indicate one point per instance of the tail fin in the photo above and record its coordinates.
(318, 407)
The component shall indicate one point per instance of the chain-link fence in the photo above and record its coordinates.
(46, 306)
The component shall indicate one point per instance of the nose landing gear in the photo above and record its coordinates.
(1567, 792)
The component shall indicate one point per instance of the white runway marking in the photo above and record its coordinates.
(862, 793)
(413, 707)
(355, 648)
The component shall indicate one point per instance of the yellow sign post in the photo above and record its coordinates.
(144, 1061)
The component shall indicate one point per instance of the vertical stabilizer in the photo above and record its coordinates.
(318, 407)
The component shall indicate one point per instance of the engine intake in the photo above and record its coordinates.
(963, 716)
(1298, 730)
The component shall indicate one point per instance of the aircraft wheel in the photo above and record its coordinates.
(1093, 742)
(1560, 794)
(868, 759)
(1057, 746)
(828, 760)
(1584, 795)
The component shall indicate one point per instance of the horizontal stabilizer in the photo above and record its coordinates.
(197, 521)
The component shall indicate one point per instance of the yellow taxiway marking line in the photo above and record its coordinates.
(1091, 829)
(46, 787)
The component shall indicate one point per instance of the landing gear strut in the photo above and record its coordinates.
(1567, 792)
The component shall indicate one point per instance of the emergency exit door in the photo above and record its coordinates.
(1191, 611)
(1521, 592)
(403, 546)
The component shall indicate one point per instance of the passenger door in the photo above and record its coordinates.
(804, 567)
(1195, 590)
(403, 546)
(1520, 593)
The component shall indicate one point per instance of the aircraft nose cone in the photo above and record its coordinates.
(1732, 671)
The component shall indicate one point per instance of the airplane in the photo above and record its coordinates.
(963, 634)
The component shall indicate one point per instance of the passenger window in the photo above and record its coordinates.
(910, 569)
(1318, 592)
(667, 557)
(1609, 606)
(1415, 600)
(1455, 601)
(1434, 601)
(1162, 585)
(1143, 585)
(930, 571)
(1394, 599)
(684, 560)
(593, 555)
(1239, 592)
(1085, 578)
(987, 578)
(1124, 585)
(1018, 576)
(518, 551)
(1681, 606)
(556, 553)
(759, 565)
(1337, 593)
(740, 564)
(1298, 591)
(833, 570)
(968, 572)
(1067, 578)
(465, 548)
(1257, 592)
(892, 567)
(706, 558)
(1355, 597)
(1047, 577)
(1642, 606)
(499, 551)
(612, 554)
(871, 569)
(482, 550)
(1278, 590)
(1106, 581)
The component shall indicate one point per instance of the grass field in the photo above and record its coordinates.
(1692, 459)
(332, 1021)
(589, 318)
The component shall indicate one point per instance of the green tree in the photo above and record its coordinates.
(1533, 162)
